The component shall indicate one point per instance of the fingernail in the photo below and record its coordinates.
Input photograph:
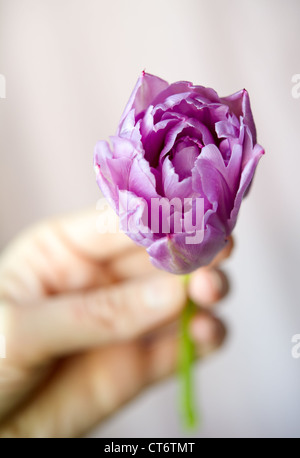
(163, 292)
(207, 330)
(217, 280)
(207, 286)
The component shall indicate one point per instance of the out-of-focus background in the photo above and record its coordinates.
(70, 66)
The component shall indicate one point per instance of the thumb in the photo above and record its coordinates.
(74, 322)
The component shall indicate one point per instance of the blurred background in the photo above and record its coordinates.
(70, 66)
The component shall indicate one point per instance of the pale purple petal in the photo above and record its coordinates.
(212, 172)
(184, 161)
(246, 178)
(103, 176)
(207, 95)
(174, 255)
(141, 180)
(146, 89)
(239, 104)
(179, 142)
(133, 217)
(225, 129)
(171, 184)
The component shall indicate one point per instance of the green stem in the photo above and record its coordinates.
(186, 358)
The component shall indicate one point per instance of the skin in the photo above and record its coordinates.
(89, 324)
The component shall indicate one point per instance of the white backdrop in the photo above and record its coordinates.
(69, 67)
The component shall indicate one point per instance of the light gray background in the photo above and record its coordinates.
(70, 66)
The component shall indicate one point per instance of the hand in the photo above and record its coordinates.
(89, 323)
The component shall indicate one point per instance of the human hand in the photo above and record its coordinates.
(89, 323)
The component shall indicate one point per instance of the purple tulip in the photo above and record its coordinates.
(177, 169)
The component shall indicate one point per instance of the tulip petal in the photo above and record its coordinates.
(245, 182)
(172, 186)
(177, 144)
(146, 89)
(104, 179)
(205, 94)
(213, 174)
(174, 255)
(239, 104)
(133, 217)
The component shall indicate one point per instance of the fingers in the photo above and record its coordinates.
(208, 332)
(61, 255)
(95, 233)
(89, 387)
(72, 322)
(69, 323)
(208, 286)
(70, 254)
(85, 389)
(162, 353)
(134, 263)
